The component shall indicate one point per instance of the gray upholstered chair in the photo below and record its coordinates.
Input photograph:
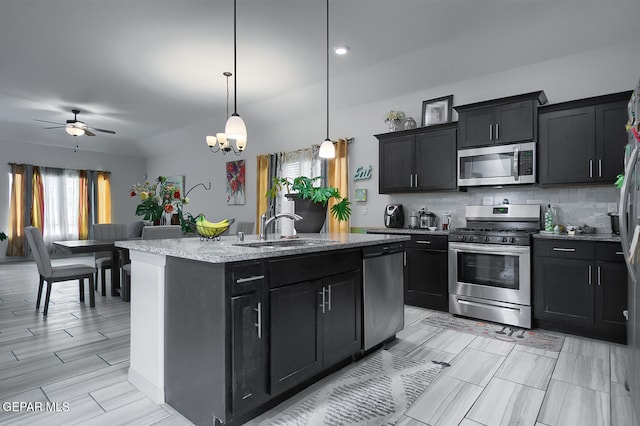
(107, 232)
(148, 233)
(52, 274)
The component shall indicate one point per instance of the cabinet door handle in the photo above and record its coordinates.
(497, 131)
(589, 274)
(620, 253)
(490, 132)
(599, 167)
(599, 277)
(249, 279)
(590, 168)
(259, 323)
(411, 180)
(405, 258)
(324, 300)
(564, 249)
(416, 180)
(329, 296)
(423, 242)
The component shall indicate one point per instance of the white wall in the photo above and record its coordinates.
(125, 171)
(596, 72)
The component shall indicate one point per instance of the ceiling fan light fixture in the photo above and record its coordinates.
(74, 131)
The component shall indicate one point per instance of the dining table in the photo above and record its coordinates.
(95, 246)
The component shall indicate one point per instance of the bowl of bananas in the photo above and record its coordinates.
(209, 230)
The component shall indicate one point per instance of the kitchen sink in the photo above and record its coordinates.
(284, 243)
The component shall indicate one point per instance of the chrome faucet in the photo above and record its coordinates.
(264, 222)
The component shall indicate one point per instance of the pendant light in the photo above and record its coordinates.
(220, 142)
(235, 127)
(327, 150)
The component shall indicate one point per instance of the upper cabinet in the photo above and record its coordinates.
(583, 141)
(418, 160)
(504, 120)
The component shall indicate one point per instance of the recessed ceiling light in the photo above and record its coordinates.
(341, 50)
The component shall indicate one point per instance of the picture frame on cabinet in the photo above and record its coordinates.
(437, 111)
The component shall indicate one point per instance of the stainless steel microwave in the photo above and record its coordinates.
(497, 165)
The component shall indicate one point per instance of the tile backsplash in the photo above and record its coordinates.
(576, 205)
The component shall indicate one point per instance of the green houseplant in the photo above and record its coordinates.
(311, 201)
(3, 236)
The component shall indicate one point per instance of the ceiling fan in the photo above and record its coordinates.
(76, 127)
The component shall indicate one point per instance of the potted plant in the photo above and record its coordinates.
(3, 236)
(157, 199)
(311, 201)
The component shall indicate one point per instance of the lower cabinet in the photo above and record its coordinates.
(580, 287)
(315, 324)
(426, 272)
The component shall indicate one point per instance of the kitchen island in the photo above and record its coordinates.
(222, 331)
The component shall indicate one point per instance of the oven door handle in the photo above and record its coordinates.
(516, 159)
(488, 248)
(486, 305)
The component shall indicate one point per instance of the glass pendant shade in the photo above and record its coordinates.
(211, 141)
(327, 150)
(241, 144)
(74, 131)
(235, 128)
(222, 139)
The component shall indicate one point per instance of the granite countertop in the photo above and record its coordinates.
(579, 237)
(405, 231)
(226, 250)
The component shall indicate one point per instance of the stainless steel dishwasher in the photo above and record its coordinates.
(383, 293)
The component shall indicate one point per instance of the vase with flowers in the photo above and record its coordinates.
(394, 119)
(158, 199)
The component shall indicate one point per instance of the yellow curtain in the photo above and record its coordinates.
(83, 207)
(262, 203)
(338, 177)
(37, 200)
(15, 233)
(104, 197)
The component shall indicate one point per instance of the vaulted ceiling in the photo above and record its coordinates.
(145, 67)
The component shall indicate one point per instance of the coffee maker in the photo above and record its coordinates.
(394, 216)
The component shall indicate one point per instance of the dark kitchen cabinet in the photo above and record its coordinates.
(418, 160)
(583, 141)
(580, 287)
(499, 121)
(249, 336)
(426, 272)
(315, 322)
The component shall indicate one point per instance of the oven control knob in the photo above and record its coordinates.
(487, 239)
(505, 239)
(463, 238)
(513, 240)
(471, 238)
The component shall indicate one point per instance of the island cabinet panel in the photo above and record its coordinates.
(426, 272)
(580, 287)
(315, 317)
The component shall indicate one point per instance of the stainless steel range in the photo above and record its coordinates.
(490, 263)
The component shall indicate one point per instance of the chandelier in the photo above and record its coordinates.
(220, 142)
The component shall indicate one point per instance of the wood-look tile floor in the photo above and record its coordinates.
(77, 361)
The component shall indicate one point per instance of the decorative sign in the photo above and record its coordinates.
(362, 173)
(361, 195)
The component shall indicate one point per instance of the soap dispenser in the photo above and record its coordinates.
(548, 219)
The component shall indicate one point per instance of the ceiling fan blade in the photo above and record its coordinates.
(88, 132)
(55, 127)
(45, 121)
(103, 130)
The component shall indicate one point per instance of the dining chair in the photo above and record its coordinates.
(52, 274)
(148, 233)
(107, 232)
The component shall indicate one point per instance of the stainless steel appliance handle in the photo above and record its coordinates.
(497, 131)
(623, 217)
(564, 249)
(490, 132)
(591, 168)
(259, 323)
(489, 248)
(249, 279)
(590, 274)
(423, 242)
(516, 159)
(486, 305)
